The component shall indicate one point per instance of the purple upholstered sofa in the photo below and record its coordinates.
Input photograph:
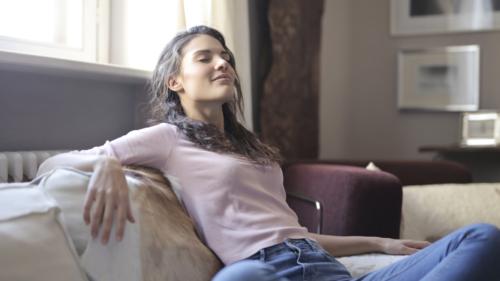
(343, 198)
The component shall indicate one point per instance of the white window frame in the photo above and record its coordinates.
(94, 42)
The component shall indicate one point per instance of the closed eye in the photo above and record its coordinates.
(226, 56)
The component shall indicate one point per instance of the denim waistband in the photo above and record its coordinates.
(289, 245)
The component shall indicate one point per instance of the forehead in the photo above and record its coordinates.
(202, 43)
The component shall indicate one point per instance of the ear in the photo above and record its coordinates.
(174, 84)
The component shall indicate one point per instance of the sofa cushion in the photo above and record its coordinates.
(33, 241)
(430, 212)
(360, 265)
(161, 245)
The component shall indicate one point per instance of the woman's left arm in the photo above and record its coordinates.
(353, 245)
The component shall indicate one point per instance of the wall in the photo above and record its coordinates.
(359, 118)
(45, 110)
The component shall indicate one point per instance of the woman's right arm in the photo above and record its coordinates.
(107, 196)
(83, 162)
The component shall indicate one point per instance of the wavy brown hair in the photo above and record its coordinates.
(165, 106)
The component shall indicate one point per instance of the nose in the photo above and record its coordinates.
(221, 64)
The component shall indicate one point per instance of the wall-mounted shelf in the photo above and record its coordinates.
(10, 61)
(459, 149)
(482, 161)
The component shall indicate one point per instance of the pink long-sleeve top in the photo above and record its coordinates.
(238, 207)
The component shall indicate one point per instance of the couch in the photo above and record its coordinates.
(329, 197)
(341, 197)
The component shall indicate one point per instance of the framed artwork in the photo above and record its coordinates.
(409, 17)
(480, 128)
(445, 78)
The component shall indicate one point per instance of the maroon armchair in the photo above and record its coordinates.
(343, 198)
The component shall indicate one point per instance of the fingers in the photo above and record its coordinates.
(107, 201)
(410, 247)
(408, 250)
(107, 221)
(404, 247)
(87, 205)
(416, 244)
(110, 208)
(130, 216)
(123, 212)
(97, 214)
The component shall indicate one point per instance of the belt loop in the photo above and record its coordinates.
(311, 244)
(291, 246)
(262, 255)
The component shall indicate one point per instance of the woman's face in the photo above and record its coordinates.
(205, 77)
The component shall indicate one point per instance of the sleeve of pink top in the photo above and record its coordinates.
(149, 146)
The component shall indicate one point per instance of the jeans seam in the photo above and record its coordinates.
(299, 252)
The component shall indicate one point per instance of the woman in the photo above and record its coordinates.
(232, 184)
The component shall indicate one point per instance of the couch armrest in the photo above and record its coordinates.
(355, 201)
(412, 172)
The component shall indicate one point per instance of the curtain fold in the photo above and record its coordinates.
(289, 115)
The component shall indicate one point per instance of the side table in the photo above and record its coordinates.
(483, 161)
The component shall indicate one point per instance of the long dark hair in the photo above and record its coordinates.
(165, 106)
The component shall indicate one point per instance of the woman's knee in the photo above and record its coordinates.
(486, 229)
(247, 271)
(488, 232)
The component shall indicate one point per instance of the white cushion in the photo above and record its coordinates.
(432, 211)
(33, 241)
(372, 167)
(68, 188)
(360, 265)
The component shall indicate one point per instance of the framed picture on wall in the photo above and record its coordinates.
(445, 78)
(410, 17)
(480, 128)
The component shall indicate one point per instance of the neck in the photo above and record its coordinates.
(207, 113)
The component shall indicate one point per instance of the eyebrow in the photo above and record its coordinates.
(209, 51)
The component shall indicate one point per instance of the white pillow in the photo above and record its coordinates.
(33, 241)
(372, 167)
(68, 188)
(360, 265)
(431, 211)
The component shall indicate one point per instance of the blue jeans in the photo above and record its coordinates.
(470, 253)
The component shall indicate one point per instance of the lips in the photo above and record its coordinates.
(223, 77)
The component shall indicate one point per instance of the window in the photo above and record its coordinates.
(128, 33)
(55, 28)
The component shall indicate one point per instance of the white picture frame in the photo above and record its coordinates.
(440, 79)
(480, 128)
(412, 17)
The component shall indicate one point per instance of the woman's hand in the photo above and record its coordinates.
(402, 247)
(107, 200)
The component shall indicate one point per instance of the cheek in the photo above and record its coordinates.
(195, 73)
